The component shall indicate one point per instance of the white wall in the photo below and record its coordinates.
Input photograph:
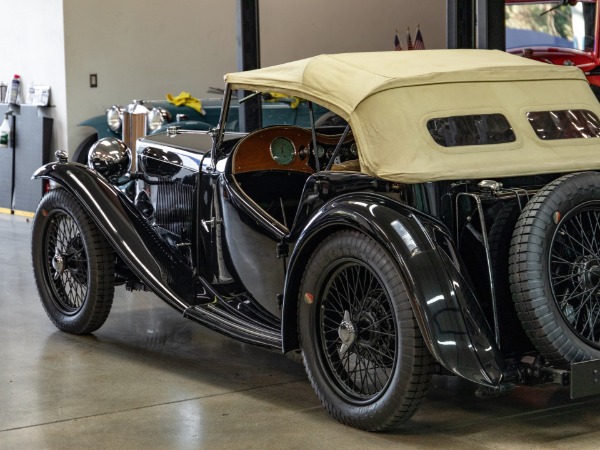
(296, 29)
(145, 49)
(32, 45)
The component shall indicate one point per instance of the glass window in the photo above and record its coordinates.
(550, 23)
(564, 124)
(477, 129)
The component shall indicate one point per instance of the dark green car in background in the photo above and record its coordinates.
(160, 114)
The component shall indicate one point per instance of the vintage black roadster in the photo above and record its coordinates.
(447, 222)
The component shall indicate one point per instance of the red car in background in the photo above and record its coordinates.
(563, 32)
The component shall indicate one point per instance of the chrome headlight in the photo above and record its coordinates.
(110, 157)
(157, 117)
(114, 118)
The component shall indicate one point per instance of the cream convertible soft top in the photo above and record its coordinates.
(388, 97)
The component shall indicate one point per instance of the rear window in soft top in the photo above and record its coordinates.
(564, 124)
(474, 129)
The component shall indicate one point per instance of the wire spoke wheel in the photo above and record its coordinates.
(555, 269)
(358, 333)
(362, 348)
(574, 265)
(73, 264)
(66, 262)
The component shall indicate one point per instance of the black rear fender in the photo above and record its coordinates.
(448, 314)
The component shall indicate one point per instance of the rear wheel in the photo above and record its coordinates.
(363, 351)
(73, 265)
(555, 269)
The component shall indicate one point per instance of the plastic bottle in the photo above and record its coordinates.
(30, 93)
(5, 132)
(12, 95)
(3, 89)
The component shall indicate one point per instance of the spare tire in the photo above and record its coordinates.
(512, 336)
(554, 269)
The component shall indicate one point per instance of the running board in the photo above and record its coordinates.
(224, 320)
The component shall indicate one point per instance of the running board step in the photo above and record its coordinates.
(229, 324)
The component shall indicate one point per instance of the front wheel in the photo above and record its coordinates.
(73, 264)
(362, 349)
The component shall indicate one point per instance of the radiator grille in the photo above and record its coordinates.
(174, 206)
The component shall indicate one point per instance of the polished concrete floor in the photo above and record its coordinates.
(149, 379)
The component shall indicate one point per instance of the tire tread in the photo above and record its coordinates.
(418, 374)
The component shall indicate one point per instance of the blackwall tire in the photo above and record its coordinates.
(499, 239)
(555, 269)
(513, 338)
(362, 349)
(73, 265)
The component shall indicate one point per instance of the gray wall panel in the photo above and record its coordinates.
(33, 144)
(6, 158)
(32, 135)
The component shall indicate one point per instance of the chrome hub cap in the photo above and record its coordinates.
(58, 263)
(347, 333)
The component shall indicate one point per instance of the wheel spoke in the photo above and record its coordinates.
(557, 259)
(558, 279)
(593, 224)
(333, 298)
(577, 243)
(70, 281)
(583, 237)
(575, 271)
(358, 333)
(593, 322)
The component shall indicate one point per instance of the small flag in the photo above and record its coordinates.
(409, 44)
(419, 44)
(397, 44)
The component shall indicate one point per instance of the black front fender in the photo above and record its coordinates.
(446, 309)
(134, 240)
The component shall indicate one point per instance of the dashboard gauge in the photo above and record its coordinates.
(303, 152)
(319, 152)
(354, 150)
(283, 151)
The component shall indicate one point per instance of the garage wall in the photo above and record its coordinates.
(145, 49)
(292, 29)
(32, 46)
